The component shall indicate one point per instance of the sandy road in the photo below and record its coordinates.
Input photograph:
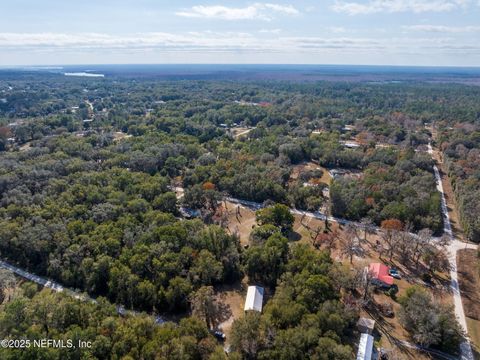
(453, 247)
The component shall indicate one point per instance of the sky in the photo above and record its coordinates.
(357, 32)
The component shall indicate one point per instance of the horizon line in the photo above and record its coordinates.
(59, 66)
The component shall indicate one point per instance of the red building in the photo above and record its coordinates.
(380, 272)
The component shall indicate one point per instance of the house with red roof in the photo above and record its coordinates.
(380, 273)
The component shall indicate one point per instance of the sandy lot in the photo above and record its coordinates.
(469, 282)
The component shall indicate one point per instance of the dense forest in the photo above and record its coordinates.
(90, 172)
(461, 148)
(305, 319)
(60, 317)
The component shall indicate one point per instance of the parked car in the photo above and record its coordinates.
(219, 335)
(380, 285)
(394, 273)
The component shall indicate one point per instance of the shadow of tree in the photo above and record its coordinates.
(224, 312)
(294, 236)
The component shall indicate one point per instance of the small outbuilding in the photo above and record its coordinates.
(365, 325)
(254, 299)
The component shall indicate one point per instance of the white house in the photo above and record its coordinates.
(254, 299)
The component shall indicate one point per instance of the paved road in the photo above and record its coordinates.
(455, 245)
(313, 214)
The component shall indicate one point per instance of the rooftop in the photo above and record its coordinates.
(254, 299)
(380, 272)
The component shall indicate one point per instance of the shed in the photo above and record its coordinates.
(365, 325)
(254, 299)
(365, 347)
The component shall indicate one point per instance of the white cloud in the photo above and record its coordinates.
(337, 29)
(209, 42)
(257, 11)
(270, 31)
(442, 28)
(287, 9)
(192, 40)
(394, 6)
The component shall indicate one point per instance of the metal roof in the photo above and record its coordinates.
(254, 299)
(365, 347)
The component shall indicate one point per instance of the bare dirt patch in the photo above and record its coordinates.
(25, 146)
(469, 282)
(309, 166)
(233, 298)
(240, 131)
(474, 334)
(241, 220)
(117, 136)
(451, 203)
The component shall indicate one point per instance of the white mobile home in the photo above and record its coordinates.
(365, 347)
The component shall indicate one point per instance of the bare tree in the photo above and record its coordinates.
(368, 228)
(406, 243)
(221, 216)
(423, 241)
(390, 237)
(349, 245)
(391, 228)
(325, 238)
(302, 219)
(436, 259)
(238, 214)
(347, 277)
(314, 233)
(364, 277)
